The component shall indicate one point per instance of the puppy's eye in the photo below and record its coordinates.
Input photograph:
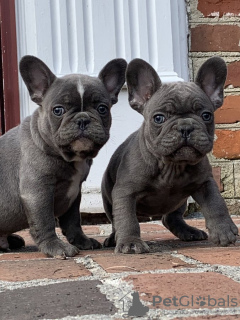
(102, 109)
(206, 116)
(58, 111)
(159, 118)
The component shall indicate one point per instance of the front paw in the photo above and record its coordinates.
(223, 233)
(84, 243)
(131, 245)
(58, 248)
(191, 234)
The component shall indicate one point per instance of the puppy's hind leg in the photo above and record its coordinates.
(70, 224)
(11, 241)
(4, 245)
(174, 222)
(15, 241)
(110, 240)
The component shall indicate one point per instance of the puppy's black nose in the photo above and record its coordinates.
(185, 127)
(83, 123)
(186, 130)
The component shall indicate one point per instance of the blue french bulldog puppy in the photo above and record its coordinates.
(44, 161)
(164, 162)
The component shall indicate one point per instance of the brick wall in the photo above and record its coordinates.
(214, 28)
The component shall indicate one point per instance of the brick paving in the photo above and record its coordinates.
(176, 280)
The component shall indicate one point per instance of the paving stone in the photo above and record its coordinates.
(197, 223)
(210, 317)
(29, 264)
(22, 256)
(30, 245)
(187, 291)
(100, 238)
(54, 301)
(87, 229)
(95, 252)
(138, 262)
(41, 269)
(229, 256)
(158, 236)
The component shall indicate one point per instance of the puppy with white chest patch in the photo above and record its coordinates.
(163, 163)
(44, 161)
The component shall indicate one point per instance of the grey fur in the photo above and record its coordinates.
(44, 161)
(155, 170)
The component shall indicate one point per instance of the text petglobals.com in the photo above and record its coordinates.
(194, 301)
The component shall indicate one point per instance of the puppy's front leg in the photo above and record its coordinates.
(38, 203)
(221, 228)
(126, 224)
(70, 224)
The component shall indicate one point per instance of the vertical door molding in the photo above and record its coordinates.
(9, 89)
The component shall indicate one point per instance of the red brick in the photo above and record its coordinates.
(233, 74)
(96, 252)
(227, 145)
(29, 242)
(217, 177)
(206, 38)
(91, 230)
(158, 236)
(171, 285)
(151, 227)
(100, 238)
(229, 256)
(197, 223)
(230, 111)
(41, 269)
(209, 8)
(138, 262)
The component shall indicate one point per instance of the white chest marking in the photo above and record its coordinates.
(81, 90)
(81, 170)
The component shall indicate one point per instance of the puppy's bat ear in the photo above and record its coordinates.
(211, 78)
(113, 77)
(142, 82)
(37, 77)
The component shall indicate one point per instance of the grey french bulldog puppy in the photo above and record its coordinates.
(164, 162)
(44, 161)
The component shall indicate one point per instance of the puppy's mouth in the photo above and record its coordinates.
(186, 154)
(81, 148)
